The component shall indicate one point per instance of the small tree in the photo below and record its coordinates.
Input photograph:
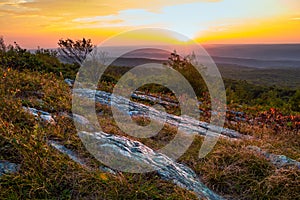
(185, 66)
(75, 51)
(295, 101)
(2, 45)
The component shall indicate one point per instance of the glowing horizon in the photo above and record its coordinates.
(33, 23)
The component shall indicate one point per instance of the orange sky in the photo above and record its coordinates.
(34, 23)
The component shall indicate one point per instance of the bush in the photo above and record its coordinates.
(44, 61)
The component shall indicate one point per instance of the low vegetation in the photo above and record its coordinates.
(231, 170)
(45, 173)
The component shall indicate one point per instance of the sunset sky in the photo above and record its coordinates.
(33, 23)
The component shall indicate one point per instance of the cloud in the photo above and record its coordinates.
(295, 18)
(132, 4)
(132, 17)
(187, 18)
(105, 17)
(94, 7)
(16, 7)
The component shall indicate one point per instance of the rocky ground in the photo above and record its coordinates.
(33, 127)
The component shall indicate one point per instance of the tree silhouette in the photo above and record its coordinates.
(2, 45)
(75, 51)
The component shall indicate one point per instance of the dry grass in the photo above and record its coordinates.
(230, 169)
(45, 173)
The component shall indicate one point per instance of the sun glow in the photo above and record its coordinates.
(34, 23)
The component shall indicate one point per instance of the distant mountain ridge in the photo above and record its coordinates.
(257, 56)
(256, 51)
(247, 55)
(220, 61)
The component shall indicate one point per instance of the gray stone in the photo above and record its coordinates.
(168, 169)
(45, 116)
(69, 82)
(191, 125)
(8, 167)
(72, 155)
(277, 160)
(139, 153)
(142, 155)
(75, 157)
